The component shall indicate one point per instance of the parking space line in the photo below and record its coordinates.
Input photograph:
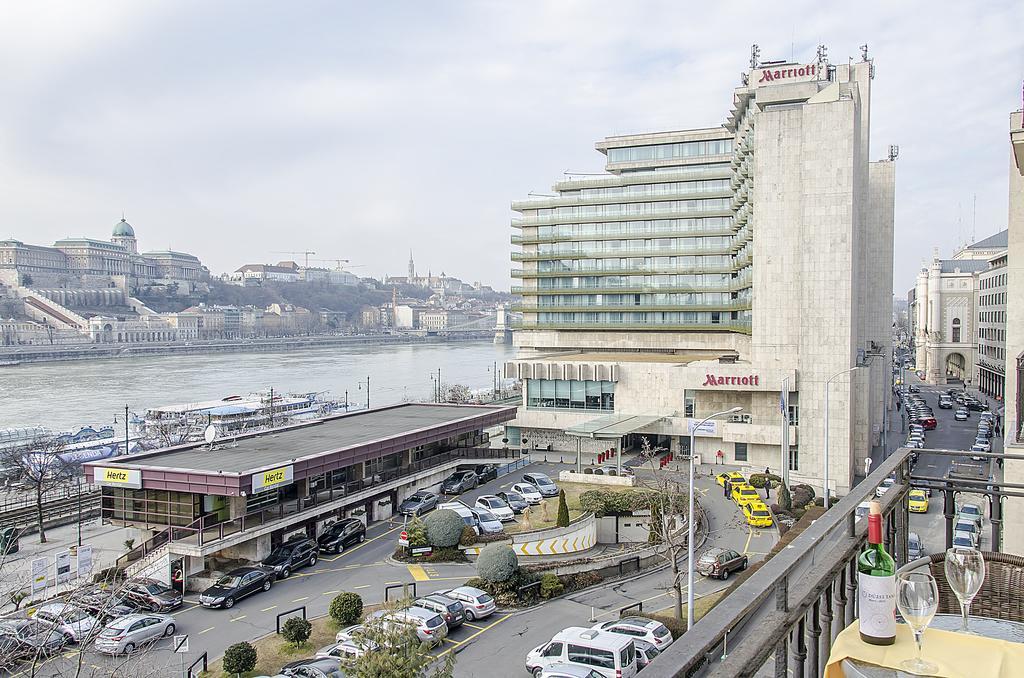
(750, 534)
(486, 628)
(329, 593)
(299, 600)
(359, 546)
(364, 586)
(475, 626)
(268, 609)
(454, 642)
(234, 619)
(205, 630)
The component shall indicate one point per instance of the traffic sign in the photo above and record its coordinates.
(403, 538)
(181, 644)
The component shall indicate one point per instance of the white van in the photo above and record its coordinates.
(464, 512)
(610, 654)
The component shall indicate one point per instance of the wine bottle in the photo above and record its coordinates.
(876, 586)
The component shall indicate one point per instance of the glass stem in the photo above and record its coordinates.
(919, 639)
(965, 611)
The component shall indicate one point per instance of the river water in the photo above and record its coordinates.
(63, 395)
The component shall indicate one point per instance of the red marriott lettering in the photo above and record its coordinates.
(773, 74)
(713, 380)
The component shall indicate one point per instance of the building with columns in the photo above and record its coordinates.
(743, 265)
(1013, 471)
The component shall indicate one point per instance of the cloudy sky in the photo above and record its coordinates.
(234, 130)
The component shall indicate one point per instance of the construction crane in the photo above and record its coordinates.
(339, 263)
(303, 252)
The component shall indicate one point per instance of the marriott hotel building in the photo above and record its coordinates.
(714, 268)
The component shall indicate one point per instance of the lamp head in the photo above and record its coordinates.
(735, 409)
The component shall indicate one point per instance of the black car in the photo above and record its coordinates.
(105, 604)
(152, 595)
(452, 611)
(485, 472)
(976, 405)
(316, 667)
(515, 501)
(295, 553)
(418, 503)
(459, 482)
(235, 585)
(342, 534)
(25, 638)
(915, 389)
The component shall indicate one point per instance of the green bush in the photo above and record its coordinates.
(588, 470)
(785, 500)
(580, 580)
(563, 511)
(239, 658)
(417, 533)
(444, 528)
(608, 503)
(468, 536)
(551, 586)
(497, 563)
(760, 480)
(346, 608)
(296, 630)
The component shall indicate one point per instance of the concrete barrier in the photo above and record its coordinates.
(580, 535)
(595, 479)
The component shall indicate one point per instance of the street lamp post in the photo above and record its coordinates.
(828, 382)
(689, 517)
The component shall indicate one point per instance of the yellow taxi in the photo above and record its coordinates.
(918, 501)
(757, 514)
(744, 494)
(731, 476)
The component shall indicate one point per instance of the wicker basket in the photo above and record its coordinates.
(1001, 595)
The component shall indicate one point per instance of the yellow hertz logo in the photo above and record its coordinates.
(113, 475)
(278, 475)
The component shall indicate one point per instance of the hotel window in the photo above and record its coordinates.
(689, 403)
(956, 330)
(740, 451)
(794, 415)
(794, 459)
(565, 394)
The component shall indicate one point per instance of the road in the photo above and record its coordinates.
(365, 569)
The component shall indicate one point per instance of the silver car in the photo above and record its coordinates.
(126, 634)
(76, 624)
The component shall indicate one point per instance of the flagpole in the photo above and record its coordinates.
(784, 451)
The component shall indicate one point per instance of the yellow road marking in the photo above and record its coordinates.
(205, 630)
(364, 586)
(359, 546)
(239, 618)
(299, 600)
(391, 583)
(486, 628)
(267, 609)
(418, 573)
(189, 609)
(750, 534)
(475, 626)
(454, 642)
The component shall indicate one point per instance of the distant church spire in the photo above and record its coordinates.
(412, 267)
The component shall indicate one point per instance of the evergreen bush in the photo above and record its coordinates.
(296, 630)
(239, 658)
(444, 528)
(497, 563)
(346, 608)
(563, 510)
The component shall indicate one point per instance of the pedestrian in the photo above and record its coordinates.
(767, 470)
(867, 466)
(727, 485)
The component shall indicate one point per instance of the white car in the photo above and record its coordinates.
(530, 493)
(496, 505)
(983, 443)
(651, 630)
(350, 633)
(75, 623)
(478, 604)
(884, 487)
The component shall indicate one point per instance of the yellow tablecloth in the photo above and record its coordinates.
(956, 654)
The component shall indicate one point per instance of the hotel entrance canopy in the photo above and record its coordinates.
(611, 427)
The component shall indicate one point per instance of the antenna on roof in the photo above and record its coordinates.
(210, 434)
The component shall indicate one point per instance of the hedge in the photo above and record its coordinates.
(608, 503)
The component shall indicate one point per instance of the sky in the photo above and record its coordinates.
(240, 130)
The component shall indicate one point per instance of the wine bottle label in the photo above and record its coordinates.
(876, 600)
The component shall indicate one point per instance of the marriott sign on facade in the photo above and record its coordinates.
(788, 73)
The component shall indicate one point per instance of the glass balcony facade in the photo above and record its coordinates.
(653, 245)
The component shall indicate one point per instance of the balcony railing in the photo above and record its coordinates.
(785, 616)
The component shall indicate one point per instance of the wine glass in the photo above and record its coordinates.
(917, 597)
(965, 572)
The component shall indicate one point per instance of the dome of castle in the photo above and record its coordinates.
(124, 229)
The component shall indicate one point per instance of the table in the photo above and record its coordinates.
(999, 629)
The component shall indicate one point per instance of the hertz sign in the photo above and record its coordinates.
(118, 477)
(275, 477)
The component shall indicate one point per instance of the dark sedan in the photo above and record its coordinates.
(515, 501)
(25, 638)
(459, 482)
(317, 667)
(486, 472)
(418, 503)
(236, 585)
(105, 604)
(152, 595)
(342, 534)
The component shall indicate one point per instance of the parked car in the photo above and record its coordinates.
(744, 494)
(973, 511)
(295, 553)
(496, 505)
(487, 521)
(467, 514)
(75, 623)
(720, 562)
(126, 634)
(418, 503)
(479, 604)
(30, 638)
(528, 492)
(917, 501)
(963, 539)
(346, 649)
(976, 405)
(645, 653)
(153, 595)
(614, 470)
(611, 655)
(106, 604)
(560, 670)
(914, 388)
(651, 630)
(757, 514)
(914, 443)
(731, 476)
(486, 472)
(353, 633)
(544, 485)
(452, 611)
(969, 526)
(314, 667)
(340, 535)
(915, 547)
(976, 451)
(928, 422)
(962, 414)
(983, 443)
(515, 501)
(235, 585)
(459, 482)
(429, 626)
(884, 487)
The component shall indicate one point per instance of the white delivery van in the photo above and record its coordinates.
(464, 512)
(612, 655)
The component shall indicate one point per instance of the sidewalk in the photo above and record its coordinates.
(107, 542)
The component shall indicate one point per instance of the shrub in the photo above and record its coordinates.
(444, 528)
(417, 533)
(606, 502)
(551, 586)
(497, 563)
(468, 537)
(785, 500)
(296, 630)
(580, 580)
(760, 480)
(346, 608)
(588, 470)
(239, 658)
(563, 510)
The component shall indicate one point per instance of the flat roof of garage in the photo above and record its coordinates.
(356, 429)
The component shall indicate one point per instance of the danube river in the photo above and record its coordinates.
(70, 394)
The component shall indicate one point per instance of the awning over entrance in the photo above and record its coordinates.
(611, 426)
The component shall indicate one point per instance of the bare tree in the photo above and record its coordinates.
(38, 469)
(456, 393)
(390, 649)
(669, 503)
